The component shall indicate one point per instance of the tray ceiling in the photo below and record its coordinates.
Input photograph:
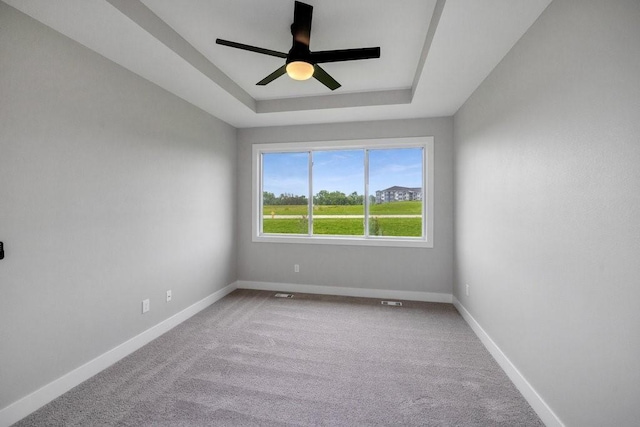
(434, 53)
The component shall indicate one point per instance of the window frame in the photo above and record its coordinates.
(424, 142)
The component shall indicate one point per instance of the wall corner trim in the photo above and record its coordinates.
(32, 402)
(546, 414)
(347, 292)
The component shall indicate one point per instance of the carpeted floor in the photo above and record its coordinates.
(254, 360)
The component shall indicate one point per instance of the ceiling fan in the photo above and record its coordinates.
(301, 63)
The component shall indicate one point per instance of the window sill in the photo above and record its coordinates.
(351, 241)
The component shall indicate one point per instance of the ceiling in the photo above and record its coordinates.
(434, 53)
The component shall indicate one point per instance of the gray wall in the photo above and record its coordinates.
(425, 270)
(547, 223)
(111, 191)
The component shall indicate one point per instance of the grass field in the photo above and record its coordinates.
(395, 208)
(400, 227)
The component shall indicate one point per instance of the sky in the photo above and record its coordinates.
(342, 170)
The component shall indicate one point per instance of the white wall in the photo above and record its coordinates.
(111, 191)
(547, 181)
(405, 269)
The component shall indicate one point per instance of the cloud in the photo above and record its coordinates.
(396, 169)
(280, 185)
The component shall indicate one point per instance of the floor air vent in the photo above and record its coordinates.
(395, 303)
(284, 295)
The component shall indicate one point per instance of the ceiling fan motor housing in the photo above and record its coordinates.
(299, 52)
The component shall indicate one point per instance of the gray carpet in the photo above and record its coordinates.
(255, 360)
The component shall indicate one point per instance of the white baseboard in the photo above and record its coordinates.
(546, 414)
(348, 292)
(30, 403)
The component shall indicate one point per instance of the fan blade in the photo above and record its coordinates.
(344, 55)
(271, 77)
(323, 77)
(251, 48)
(301, 27)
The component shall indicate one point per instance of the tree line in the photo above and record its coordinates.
(323, 197)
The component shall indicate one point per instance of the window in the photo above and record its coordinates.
(373, 192)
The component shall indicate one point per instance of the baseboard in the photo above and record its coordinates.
(348, 292)
(548, 417)
(30, 403)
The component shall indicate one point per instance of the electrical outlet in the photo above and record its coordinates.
(296, 268)
(466, 288)
(168, 296)
(146, 305)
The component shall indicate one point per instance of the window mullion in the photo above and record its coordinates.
(310, 205)
(366, 193)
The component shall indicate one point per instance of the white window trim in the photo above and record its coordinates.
(428, 193)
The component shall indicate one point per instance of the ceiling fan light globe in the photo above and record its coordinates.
(300, 70)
